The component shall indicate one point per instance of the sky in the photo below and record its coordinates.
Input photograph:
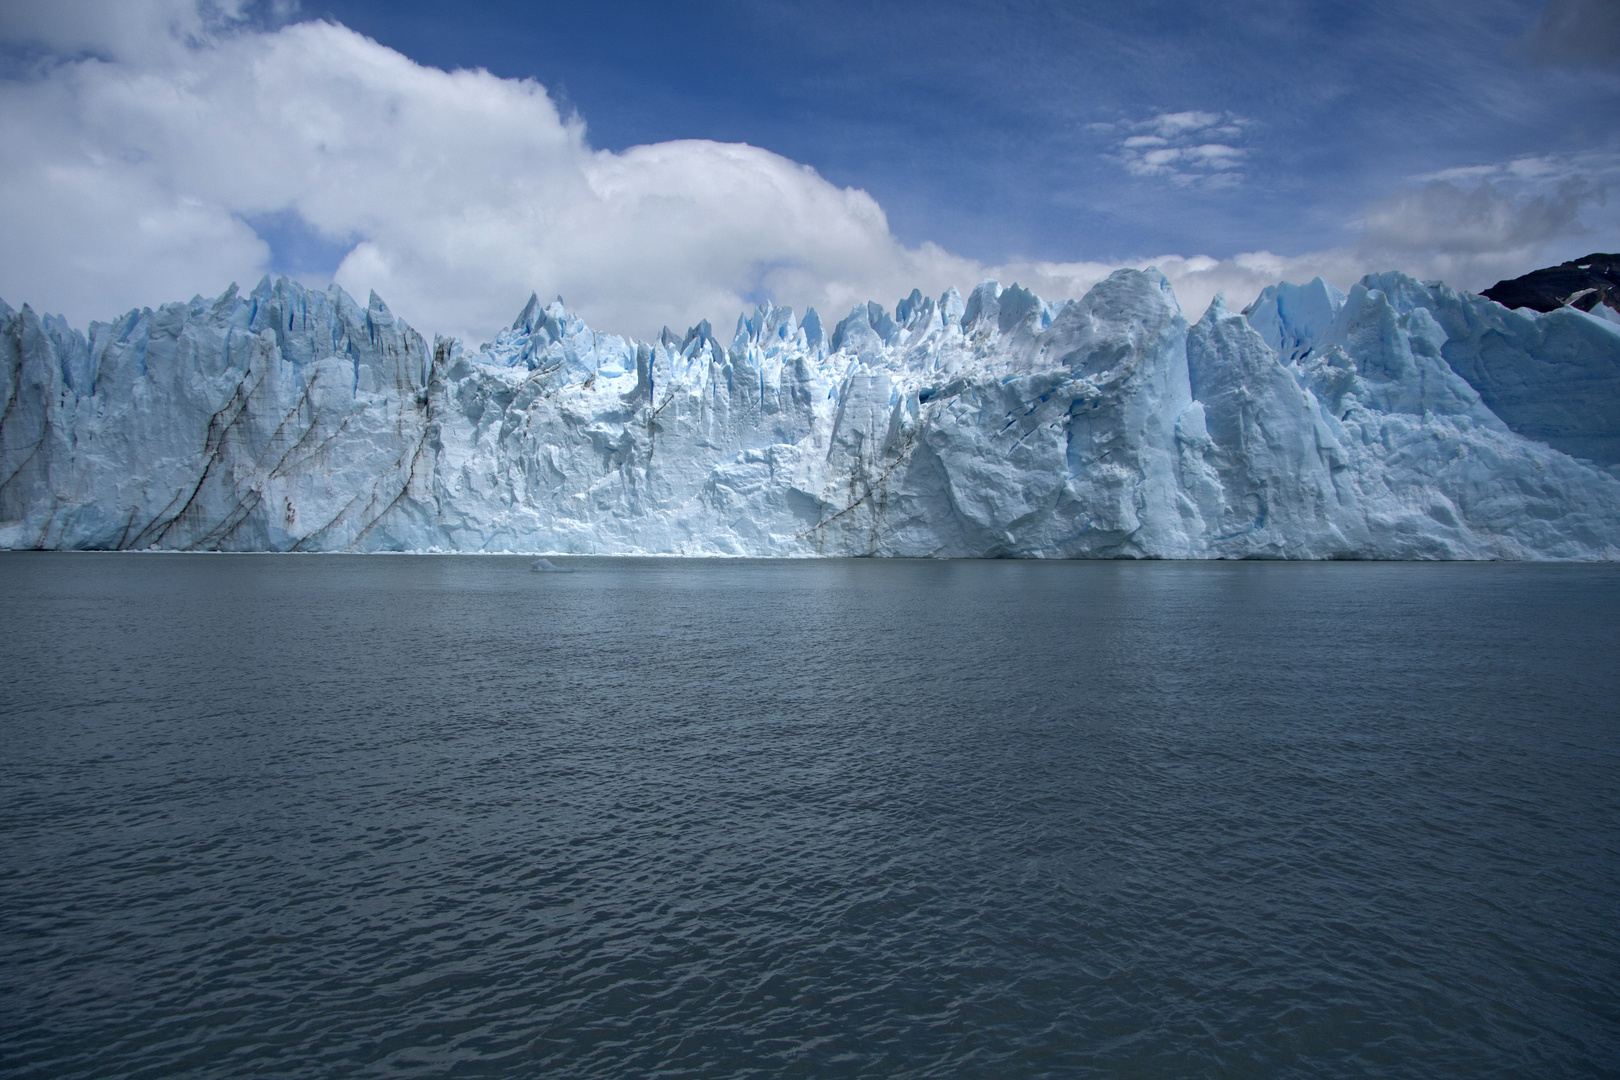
(659, 163)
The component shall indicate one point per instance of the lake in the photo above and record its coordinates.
(348, 816)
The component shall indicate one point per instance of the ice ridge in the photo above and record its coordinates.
(1401, 420)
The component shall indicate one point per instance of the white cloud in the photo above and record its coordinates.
(463, 190)
(1523, 174)
(1197, 279)
(148, 137)
(129, 31)
(1170, 125)
(1185, 148)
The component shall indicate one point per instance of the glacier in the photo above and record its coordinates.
(1403, 420)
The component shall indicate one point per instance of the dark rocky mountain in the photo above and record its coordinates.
(1581, 283)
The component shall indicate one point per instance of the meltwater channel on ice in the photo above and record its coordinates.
(1403, 421)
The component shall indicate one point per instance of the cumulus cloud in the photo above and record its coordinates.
(1186, 148)
(166, 149)
(127, 31)
(146, 160)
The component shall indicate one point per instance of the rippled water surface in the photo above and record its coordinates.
(393, 816)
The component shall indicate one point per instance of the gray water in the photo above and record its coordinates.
(329, 816)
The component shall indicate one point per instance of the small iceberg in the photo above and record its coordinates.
(544, 566)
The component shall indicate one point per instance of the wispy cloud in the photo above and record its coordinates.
(1530, 171)
(1577, 33)
(1186, 148)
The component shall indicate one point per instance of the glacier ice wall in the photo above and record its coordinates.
(1401, 421)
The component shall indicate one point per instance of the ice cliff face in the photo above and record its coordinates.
(281, 420)
(1402, 421)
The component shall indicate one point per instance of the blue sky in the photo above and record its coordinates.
(976, 124)
(1229, 142)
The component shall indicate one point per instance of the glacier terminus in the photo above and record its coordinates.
(1403, 420)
